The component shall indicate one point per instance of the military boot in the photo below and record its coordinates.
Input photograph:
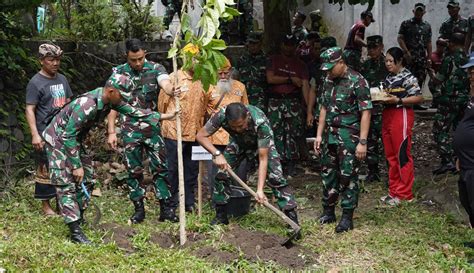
(77, 236)
(346, 221)
(167, 212)
(374, 173)
(328, 216)
(294, 217)
(139, 214)
(221, 215)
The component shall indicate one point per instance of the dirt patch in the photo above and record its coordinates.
(217, 256)
(120, 235)
(257, 245)
(164, 240)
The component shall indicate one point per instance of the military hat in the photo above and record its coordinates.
(226, 66)
(470, 63)
(328, 42)
(374, 40)
(290, 39)
(453, 3)
(367, 13)
(122, 83)
(49, 50)
(255, 37)
(420, 6)
(330, 57)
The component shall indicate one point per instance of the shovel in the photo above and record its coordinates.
(296, 228)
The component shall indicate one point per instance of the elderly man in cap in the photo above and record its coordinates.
(341, 137)
(317, 23)
(355, 40)
(464, 149)
(47, 90)
(455, 22)
(298, 30)
(414, 38)
(70, 167)
(374, 71)
(288, 78)
(251, 67)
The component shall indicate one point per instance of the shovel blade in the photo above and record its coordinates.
(288, 243)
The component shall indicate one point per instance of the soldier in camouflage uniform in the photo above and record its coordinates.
(288, 80)
(251, 137)
(374, 71)
(298, 30)
(355, 40)
(345, 110)
(70, 167)
(251, 67)
(452, 100)
(455, 23)
(138, 137)
(237, 30)
(414, 38)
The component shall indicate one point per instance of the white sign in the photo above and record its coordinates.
(198, 153)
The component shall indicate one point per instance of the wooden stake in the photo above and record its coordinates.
(201, 172)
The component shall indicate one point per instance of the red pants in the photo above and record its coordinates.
(397, 124)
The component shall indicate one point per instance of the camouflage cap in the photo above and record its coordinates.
(255, 37)
(374, 40)
(420, 6)
(453, 4)
(49, 50)
(122, 83)
(330, 57)
(470, 63)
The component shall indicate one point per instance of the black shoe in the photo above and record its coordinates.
(189, 208)
(419, 107)
(294, 217)
(444, 168)
(167, 213)
(77, 236)
(221, 215)
(346, 221)
(328, 216)
(139, 214)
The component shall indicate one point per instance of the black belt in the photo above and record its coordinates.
(284, 96)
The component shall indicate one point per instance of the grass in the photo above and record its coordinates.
(409, 237)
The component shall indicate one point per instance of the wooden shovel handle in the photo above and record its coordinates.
(282, 215)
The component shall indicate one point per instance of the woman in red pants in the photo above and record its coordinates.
(397, 124)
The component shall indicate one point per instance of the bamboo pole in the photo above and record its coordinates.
(201, 173)
(179, 138)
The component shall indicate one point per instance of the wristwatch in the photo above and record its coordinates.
(363, 141)
(216, 153)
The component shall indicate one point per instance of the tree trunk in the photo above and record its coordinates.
(276, 23)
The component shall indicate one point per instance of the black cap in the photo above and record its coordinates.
(367, 13)
(453, 3)
(374, 40)
(420, 6)
(290, 39)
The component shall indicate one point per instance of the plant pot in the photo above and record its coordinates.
(239, 202)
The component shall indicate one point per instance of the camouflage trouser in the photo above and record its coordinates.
(418, 69)
(259, 100)
(435, 90)
(374, 151)
(286, 119)
(171, 9)
(234, 156)
(71, 198)
(339, 171)
(137, 142)
(352, 58)
(446, 118)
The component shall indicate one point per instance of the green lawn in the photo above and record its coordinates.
(410, 237)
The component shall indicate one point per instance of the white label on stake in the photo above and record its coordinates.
(199, 153)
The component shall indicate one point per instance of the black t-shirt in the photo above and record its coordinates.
(47, 94)
(463, 141)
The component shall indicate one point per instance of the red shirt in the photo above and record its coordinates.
(358, 29)
(287, 67)
(436, 60)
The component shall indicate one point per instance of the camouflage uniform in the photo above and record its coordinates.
(344, 98)
(451, 102)
(374, 71)
(299, 32)
(252, 71)
(64, 136)
(451, 26)
(237, 30)
(172, 6)
(139, 137)
(417, 36)
(245, 145)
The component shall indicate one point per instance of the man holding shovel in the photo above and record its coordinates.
(251, 137)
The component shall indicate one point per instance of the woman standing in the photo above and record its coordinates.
(397, 124)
